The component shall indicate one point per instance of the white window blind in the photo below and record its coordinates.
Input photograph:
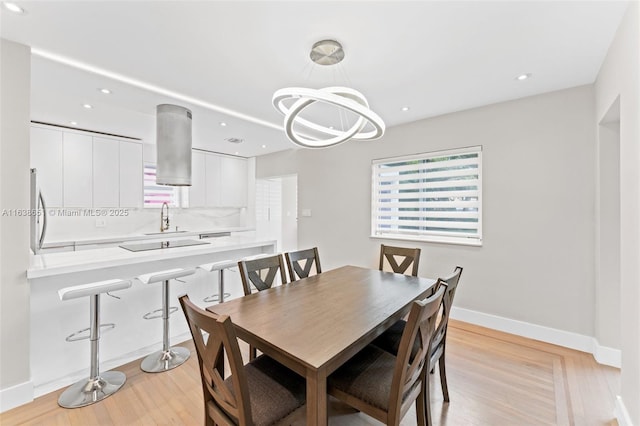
(433, 196)
(154, 194)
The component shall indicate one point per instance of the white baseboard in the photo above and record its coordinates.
(621, 413)
(15, 396)
(607, 356)
(602, 354)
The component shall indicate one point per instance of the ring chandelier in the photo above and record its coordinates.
(326, 52)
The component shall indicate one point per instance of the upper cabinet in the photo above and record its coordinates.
(197, 190)
(218, 181)
(77, 150)
(234, 178)
(106, 176)
(79, 170)
(46, 157)
(131, 175)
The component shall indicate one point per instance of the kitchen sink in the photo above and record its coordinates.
(164, 233)
(162, 245)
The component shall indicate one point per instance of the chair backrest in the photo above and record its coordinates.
(411, 369)
(409, 257)
(450, 284)
(220, 403)
(261, 272)
(294, 258)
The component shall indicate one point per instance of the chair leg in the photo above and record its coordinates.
(252, 353)
(443, 378)
(423, 403)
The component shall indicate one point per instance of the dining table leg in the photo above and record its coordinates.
(317, 397)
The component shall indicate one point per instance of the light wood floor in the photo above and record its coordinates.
(494, 379)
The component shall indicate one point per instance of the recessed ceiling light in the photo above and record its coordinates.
(13, 7)
(523, 77)
(405, 108)
(105, 91)
(223, 124)
(264, 146)
(73, 123)
(237, 153)
(87, 106)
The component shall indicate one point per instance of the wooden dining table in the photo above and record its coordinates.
(316, 324)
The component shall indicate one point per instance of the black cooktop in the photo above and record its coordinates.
(162, 245)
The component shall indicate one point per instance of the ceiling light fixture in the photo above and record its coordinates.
(523, 77)
(223, 124)
(291, 102)
(87, 106)
(13, 7)
(73, 123)
(105, 91)
(405, 108)
(264, 146)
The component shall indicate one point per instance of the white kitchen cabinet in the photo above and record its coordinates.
(234, 178)
(46, 157)
(213, 181)
(226, 181)
(131, 175)
(106, 176)
(197, 191)
(77, 170)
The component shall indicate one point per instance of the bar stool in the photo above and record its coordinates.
(220, 267)
(98, 386)
(168, 357)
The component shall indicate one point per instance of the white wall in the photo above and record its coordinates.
(536, 263)
(15, 76)
(619, 77)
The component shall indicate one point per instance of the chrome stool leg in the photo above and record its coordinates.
(168, 357)
(217, 297)
(98, 386)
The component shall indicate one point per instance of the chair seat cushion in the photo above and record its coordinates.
(367, 376)
(274, 390)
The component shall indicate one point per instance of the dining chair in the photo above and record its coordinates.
(260, 273)
(390, 339)
(407, 257)
(383, 385)
(262, 392)
(296, 269)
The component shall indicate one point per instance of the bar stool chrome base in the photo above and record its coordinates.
(216, 297)
(89, 391)
(161, 361)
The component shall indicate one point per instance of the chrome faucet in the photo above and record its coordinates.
(164, 220)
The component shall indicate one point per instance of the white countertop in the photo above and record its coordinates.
(52, 264)
(145, 236)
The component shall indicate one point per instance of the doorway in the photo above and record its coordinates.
(607, 297)
(277, 211)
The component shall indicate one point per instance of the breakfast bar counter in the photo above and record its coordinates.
(56, 363)
(105, 262)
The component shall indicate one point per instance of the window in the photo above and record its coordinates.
(155, 195)
(434, 196)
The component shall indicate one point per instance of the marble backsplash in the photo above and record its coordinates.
(66, 224)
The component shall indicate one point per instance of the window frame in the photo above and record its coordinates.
(426, 236)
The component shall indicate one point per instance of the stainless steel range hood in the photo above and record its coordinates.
(173, 139)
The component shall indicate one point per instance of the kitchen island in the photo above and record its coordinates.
(56, 363)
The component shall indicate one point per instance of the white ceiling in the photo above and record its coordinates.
(213, 56)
